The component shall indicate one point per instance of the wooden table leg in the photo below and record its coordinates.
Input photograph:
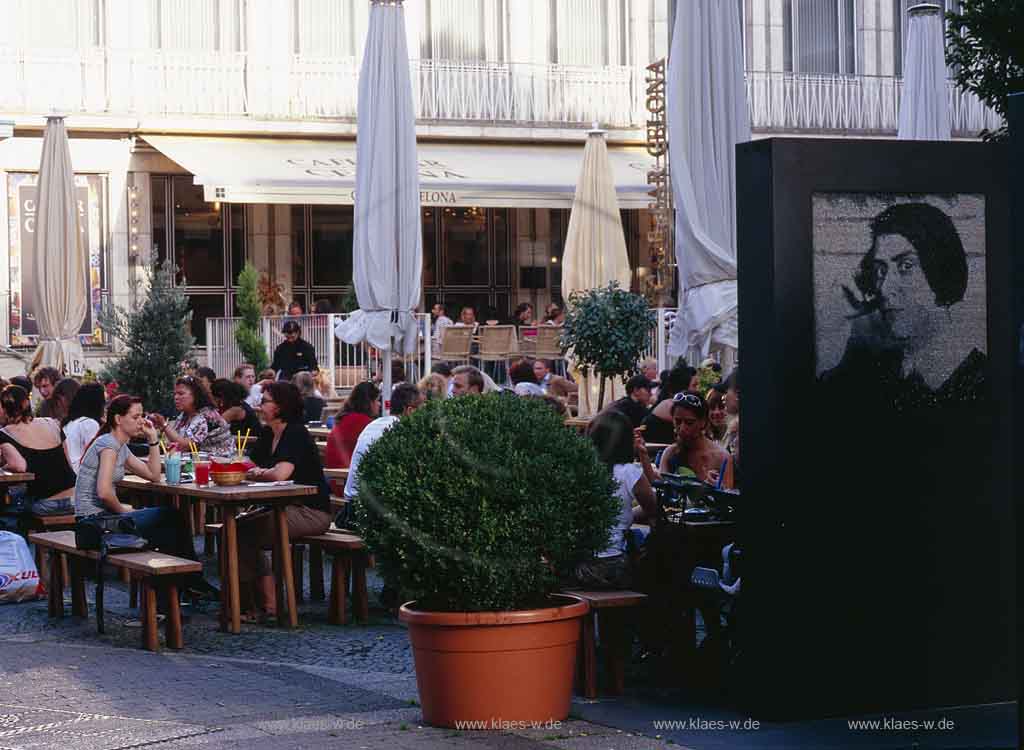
(150, 636)
(55, 596)
(285, 575)
(360, 600)
(316, 573)
(174, 637)
(589, 658)
(339, 589)
(79, 604)
(297, 563)
(231, 580)
(614, 636)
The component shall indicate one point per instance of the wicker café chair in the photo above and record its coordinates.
(497, 344)
(456, 343)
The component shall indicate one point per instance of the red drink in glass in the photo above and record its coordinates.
(202, 473)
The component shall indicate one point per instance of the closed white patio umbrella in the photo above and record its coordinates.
(62, 288)
(924, 100)
(595, 245)
(707, 116)
(387, 250)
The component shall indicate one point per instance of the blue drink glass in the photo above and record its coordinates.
(172, 468)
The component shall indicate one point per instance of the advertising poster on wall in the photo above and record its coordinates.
(22, 208)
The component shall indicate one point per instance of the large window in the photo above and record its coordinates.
(590, 32)
(819, 36)
(466, 30)
(200, 25)
(327, 28)
(206, 241)
(322, 254)
(22, 205)
(467, 259)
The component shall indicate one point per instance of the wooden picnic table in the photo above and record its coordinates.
(319, 433)
(580, 423)
(231, 499)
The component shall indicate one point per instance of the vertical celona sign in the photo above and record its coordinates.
(659, 283)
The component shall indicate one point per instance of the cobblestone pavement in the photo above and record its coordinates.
(64, 686)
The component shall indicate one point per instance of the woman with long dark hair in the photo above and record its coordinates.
(83, 421)
(104, 465)
(284, 451)
(660, 428)
(198, 421)
(36, 445)
(230, 400)
(361, 407)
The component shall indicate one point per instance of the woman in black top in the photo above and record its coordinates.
(230, 400)
(37, 446)
(284, 451)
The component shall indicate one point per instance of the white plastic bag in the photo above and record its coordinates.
(19, 579)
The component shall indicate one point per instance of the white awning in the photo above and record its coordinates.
(268, 170)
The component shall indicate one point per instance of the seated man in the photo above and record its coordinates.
(692, 449)
(636, 403)
(467, 380)
(405, 399)
(554, 385)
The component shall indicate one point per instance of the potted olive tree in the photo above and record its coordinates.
(473, 508)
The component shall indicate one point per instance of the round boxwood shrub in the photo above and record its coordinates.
(479, 503)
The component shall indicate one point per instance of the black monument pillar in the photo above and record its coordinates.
(880, 336)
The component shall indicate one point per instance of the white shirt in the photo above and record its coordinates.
(443, 321)
(367, 437)
(528, 389)
(78, 433)
(255, 396)
(626, 476)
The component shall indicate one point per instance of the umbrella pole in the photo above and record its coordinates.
(386, 383)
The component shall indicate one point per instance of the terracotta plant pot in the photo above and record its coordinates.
(498, 670)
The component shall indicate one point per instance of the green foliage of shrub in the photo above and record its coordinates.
(155, 333)
(461, 501)
(608, 330)
(247, 335)
(985, 49)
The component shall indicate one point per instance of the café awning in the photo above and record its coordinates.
(273, 170)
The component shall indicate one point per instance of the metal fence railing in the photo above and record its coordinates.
(342, 365)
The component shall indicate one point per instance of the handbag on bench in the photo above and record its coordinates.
(106, 533)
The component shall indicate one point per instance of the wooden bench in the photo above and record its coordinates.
(151, 568)
(612, 606)
(50, 523)
(350, 557)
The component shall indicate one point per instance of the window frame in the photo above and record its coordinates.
(228, 289)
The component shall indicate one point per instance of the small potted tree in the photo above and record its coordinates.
(607, 331)
(473, 507)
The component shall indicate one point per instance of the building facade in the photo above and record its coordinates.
(212, 132)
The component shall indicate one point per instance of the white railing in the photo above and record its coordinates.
(158, 82)
(342, 365)
(787, 102)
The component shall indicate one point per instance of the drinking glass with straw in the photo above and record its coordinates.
(240, 442)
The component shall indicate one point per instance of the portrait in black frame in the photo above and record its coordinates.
(899, 284)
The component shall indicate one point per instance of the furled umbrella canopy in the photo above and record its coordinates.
(707, 116)
(61, 286)
(595, 245)
(387, 245)
(924, 101)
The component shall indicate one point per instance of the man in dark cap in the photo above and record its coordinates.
(636, 403)
(294, 354)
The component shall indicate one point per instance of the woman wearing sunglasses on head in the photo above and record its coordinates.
(692, 449)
